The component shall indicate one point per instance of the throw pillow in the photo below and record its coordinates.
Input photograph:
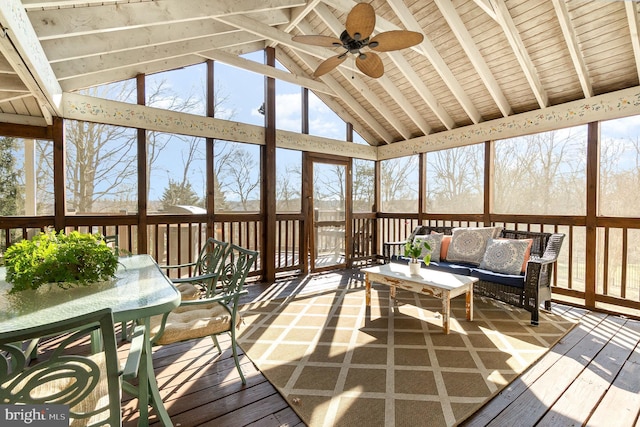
(434, 240)
(504, 255)
(444, 246)
(497, 230)
(468, 244)
(527, 254)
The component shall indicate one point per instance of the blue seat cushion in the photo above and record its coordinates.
(455, 268)
(515, 280)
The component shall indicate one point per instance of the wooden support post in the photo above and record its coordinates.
(59, 174)
(268, 252)
(210, 152)
(143, 181)
(593, 157)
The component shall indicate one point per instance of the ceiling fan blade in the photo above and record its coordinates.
(329, 64)
(361, 21)
(324, 41)
(371, 65)
(395, 40)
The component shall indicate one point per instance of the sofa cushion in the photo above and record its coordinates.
(449, 267)
(444, 246)
(515, 280)
(504, 255)
(468, 244)
(434, 240)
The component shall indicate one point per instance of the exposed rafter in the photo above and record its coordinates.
(73, 48)
(266, 70)
(297, 15)
(487, 7)
(574, 49)
(82, 20)
(514, 39)
(97, 64)
(466, 41)
(20, 47)
(431, 53)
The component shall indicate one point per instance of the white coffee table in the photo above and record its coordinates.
(434, 283)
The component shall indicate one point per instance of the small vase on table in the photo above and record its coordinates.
(414, 267)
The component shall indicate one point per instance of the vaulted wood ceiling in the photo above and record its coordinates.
(480, 59)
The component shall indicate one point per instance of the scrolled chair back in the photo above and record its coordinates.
(236, 269)
(212, 256)
(89, 385)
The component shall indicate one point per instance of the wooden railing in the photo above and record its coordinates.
(177, 239)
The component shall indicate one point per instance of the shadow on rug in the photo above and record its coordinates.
(339, 363)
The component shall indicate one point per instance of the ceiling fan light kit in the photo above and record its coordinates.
(361, 22)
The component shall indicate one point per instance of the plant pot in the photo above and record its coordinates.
(414, 268)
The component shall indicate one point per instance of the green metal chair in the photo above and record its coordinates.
(89, 384)
(204, 271)
(213, 315)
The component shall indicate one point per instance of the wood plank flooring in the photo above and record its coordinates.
(591, 377)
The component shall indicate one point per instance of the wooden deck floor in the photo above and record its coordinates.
(591, 377)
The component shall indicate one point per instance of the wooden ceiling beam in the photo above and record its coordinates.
(115, 75)
(450, 14)
(574, 49)
(136, 57)
(486, 6)
(20, 47)
(110, 17)
(631, 8)
(266, 70)
(61, 49)
(427, 49)
(519, 49)
(297, 15)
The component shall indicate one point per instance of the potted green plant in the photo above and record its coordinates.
(51, 257)
(414, 249)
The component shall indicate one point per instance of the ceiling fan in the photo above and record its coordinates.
(361, 21)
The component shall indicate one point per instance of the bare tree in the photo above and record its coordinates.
(398, 183)
(455, 179)
(288, 189)
(238, 173)
(363, 188)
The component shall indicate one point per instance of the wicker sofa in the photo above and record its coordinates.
(526, 290)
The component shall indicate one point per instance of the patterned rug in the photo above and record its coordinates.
(339, 363)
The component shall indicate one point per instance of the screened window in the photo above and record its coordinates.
(455, 180)
(26, 177)
(363, 188)
(236, 176)
(542, 174)
(182, 90)
(620, 167)
(177, 173)
(101, 163)
(323, 121)
(399, 184)
(239, 93)
(288, 180)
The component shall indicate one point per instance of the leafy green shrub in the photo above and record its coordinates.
(57, 257)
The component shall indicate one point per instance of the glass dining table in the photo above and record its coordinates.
(140, 290)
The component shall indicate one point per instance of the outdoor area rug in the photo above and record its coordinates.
(339, 363)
